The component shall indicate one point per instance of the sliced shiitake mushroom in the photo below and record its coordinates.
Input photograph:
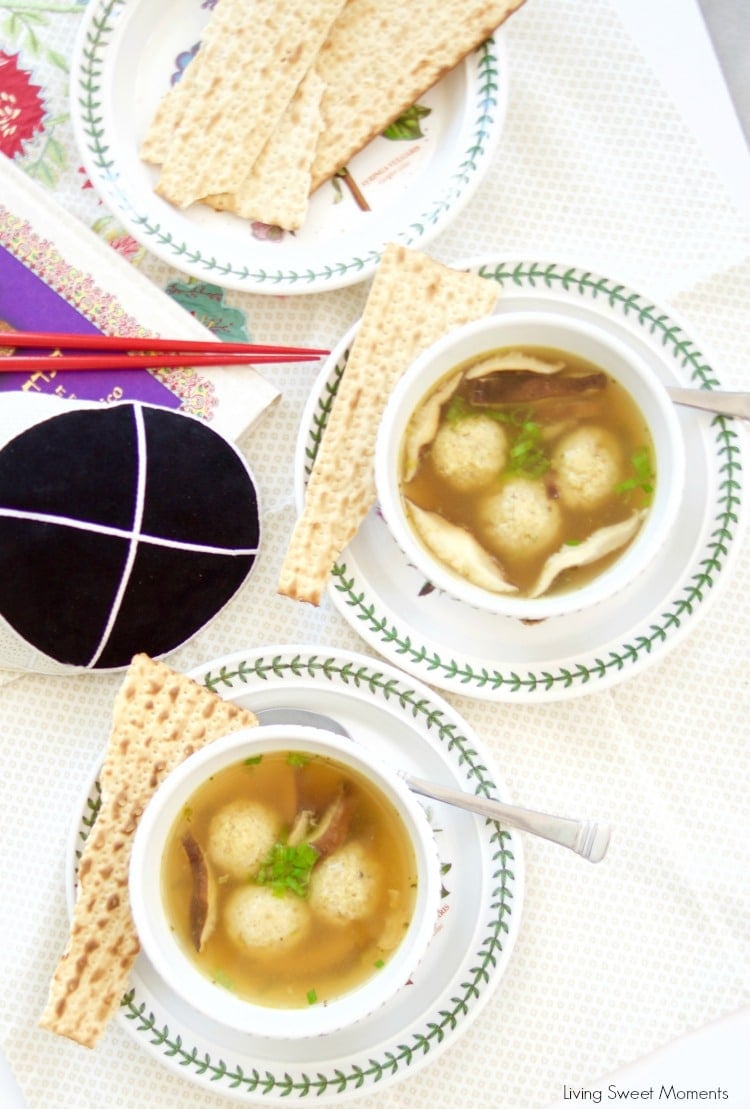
(333, 828)
(522, 387)
(203, 907)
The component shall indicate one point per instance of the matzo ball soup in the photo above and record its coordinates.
(289, 879)
(527, 471)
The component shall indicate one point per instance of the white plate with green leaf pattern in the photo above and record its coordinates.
(405, 721)
(127, 53)
(476, 654)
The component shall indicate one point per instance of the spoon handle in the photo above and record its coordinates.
(584, 837)
(722, 402)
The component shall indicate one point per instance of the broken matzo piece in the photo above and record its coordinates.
(155, 143)
(381, 56)
(413, 301)
(277, 189)
(170, 109)
(159, 718)
(237, 88)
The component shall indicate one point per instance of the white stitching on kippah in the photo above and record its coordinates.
(124, 533)
(140, 497)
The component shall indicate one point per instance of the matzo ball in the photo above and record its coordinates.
(468, 454)
(587, 464)
(256, 918)
(346, 885)
(520, 518)
(240, 836)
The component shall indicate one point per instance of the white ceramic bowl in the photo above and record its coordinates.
(565, 333)
(164, 951)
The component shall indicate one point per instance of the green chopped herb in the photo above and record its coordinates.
(287, 868)
(572, 542)
(379, 963)
(526, 455)
(253, 760)
(295, 758)
(643, 475)
(221, 978)
(312, 997)
(458, 409)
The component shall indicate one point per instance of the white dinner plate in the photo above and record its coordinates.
(463, 650)
(482, 869)
(127, 52)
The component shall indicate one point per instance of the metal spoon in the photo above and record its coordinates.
(722, 402)
(585, 837)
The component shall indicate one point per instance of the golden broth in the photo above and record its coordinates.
(535, 436)
(331, 957)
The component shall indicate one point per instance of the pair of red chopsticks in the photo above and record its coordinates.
(146, 353)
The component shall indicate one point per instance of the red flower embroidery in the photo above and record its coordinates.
(21, 106)
(125, 245)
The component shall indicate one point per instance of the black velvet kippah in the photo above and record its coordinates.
(123, 528)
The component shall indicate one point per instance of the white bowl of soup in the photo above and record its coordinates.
(530, 464)
(284, 881)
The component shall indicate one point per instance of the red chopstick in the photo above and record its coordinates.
(155, 353)
(123, 343)
(82, 362)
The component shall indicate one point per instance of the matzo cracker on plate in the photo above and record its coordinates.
(413, 301)
(159, 718)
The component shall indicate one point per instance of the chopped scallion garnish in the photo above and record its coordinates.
(643, 475)
(296, 758)
(526, 455)
(287, 868)
(221, 978)
(458, 409)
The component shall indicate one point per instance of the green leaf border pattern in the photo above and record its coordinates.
(469, 163)
(487, 105)
(415, 703)
(89, 92)
(659, 325)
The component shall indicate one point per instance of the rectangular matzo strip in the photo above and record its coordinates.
(277, 189)
(413, 301)
(236, 89)
(155, 144)
(159, 718)
(381, 56)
